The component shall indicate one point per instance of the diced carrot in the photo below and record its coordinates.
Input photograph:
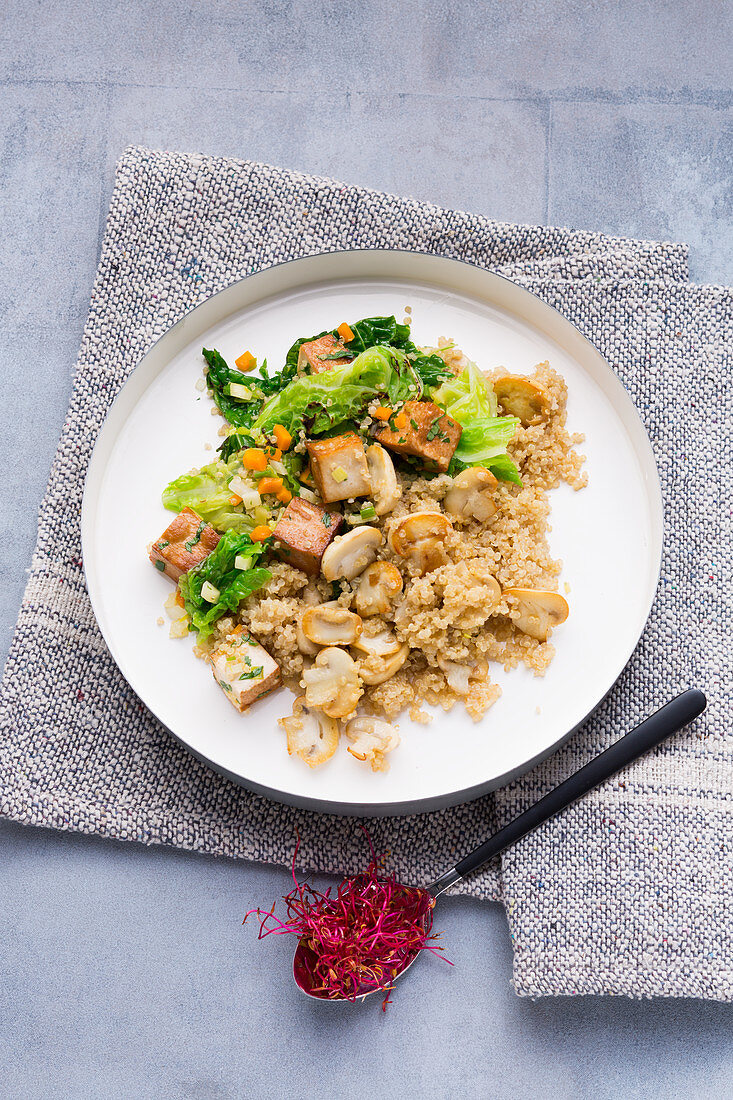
(345, 332)
(283, 438)
(179, 598)
(245, 362)
(305, 476)
(254, 459)
(274, 453)
(382, 412)
(400, 421)
(234, 499)
(238, 629)
(269, 485)
(261, 533)
(285, 495)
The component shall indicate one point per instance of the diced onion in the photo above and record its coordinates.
(278, 467)
(242, 562)
(250, 497)
(339, 474)
(237, 390)
(306, 494)
(209, 592)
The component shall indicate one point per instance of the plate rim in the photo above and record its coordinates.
(414, 805)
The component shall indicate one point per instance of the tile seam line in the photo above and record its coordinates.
(713, 100)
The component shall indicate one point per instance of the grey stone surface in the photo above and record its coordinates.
(125, 971)
(658, 170)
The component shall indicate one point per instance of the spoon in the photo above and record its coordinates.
(652, 731)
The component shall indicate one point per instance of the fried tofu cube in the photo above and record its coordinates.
(303, 532)
(421, 429)
(185, 543)
(339, 467)
(312, 356)
(244, 670)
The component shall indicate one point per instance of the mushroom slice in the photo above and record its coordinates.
(470, 495)
(385, 490)
(371, 740)
(379, 584)
(522, 398)
(306, 647)
(420, 537)
(350, 554)
(332, 684)
(460, 676)
(374, 669)
(383, 644)
(539, 611)
(331, 624)
(312, 735)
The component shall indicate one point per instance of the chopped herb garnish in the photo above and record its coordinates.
(225, 685)
(195, 538)
(160, 565)
(253, 673)
(162, 543)
(326, 519)
(414, 424)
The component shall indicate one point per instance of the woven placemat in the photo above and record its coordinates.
(79, 751)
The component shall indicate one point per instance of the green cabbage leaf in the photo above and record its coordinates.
(320, 402)
(207, 492)
(234, 585)
(470, 400)
(483, 442)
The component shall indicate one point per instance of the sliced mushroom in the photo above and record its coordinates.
(350, 554)
(522, 398)
(459, 676)
(379, 584)
(371, 740)
(383, 644)
(312, 735)
(374, 669)
(331, 624)
(420, 537)
(470, 495)
(539, 611)
(310, 595)
(385, 490)
(333, 684)
(306, 647)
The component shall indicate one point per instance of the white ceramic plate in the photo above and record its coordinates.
(609, 536)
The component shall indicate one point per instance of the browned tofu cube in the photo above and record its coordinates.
(244, 670)
(184, 544)
(339, 467)
(312, 356)
(303, 532)
(421, 429)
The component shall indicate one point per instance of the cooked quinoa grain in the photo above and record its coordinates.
(454, 616)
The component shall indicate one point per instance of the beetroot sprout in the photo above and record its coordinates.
(359, 939)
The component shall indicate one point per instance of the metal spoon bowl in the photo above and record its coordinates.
(652, 731)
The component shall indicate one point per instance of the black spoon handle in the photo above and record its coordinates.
(669, 719)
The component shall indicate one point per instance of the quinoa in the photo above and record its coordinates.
(455, 618)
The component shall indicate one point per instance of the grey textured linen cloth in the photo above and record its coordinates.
(629, 892)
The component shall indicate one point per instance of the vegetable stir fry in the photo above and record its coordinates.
(328, 466)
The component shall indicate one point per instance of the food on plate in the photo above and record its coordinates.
(372, 534)
(183, 544)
